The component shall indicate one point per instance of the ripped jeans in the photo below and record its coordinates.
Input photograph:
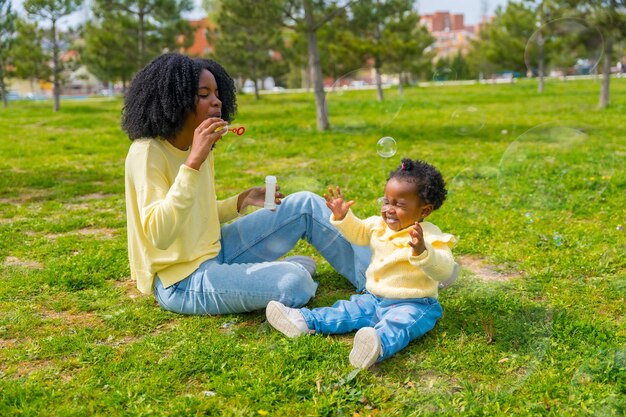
(245, 275)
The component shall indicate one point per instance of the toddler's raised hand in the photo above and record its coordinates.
(336, 203)
(417, 239)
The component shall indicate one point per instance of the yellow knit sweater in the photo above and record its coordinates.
(173, 216)
(393, 271)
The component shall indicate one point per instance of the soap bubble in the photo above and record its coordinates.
(382, 206)
(502, 316)
(302, 181)
(386, 147)
(530, 218)
(343, 97)
(229, 327)
(444, 74)
(232, 143)
(391, 107)
(520, 357)
(569, 46)
(467, 120)
(353, 96)
(601, 372)
(359, 77)
(553, 167)
(558, 239)
(466, 188)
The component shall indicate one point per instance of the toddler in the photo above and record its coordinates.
(410, 260)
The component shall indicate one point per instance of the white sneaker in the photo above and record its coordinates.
(306, 262)
(453, 277)
(288, 321)
(366, 348)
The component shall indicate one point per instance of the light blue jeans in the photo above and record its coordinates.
(245, 275)
(397, 322)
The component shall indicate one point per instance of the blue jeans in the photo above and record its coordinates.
(397, 322)
(245, 277)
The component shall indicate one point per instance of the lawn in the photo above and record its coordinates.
(534, 326)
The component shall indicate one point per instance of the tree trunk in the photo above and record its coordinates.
(315, 68)
(379, 84)
(400, 84)
(56, 70)
(142, 40)
(257, 96)
(3, 87)
(305, 79)
(542, 60)
(606, 73)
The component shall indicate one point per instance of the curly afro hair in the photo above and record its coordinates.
(163, 93)
(431, 188)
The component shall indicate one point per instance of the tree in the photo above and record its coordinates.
(375, 24)
(109, 41)
(542, 16)
(608, 16)
(336, 55)
(561, 36)
(28, 57)
(405, 41)
(157, 25)
(50, 11)
(501, 44)
(212, 8)
(605, 21)
(613, 21)
(248, 36)
(542, 46)
(7, 34)
(307, 17)
(295, 54)
(458, 64)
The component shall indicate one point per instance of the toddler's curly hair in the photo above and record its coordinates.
(430, 186)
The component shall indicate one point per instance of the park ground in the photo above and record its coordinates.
(534, 326)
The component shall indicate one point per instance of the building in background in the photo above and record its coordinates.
(450, 32)
(75, 81)
(203, 31)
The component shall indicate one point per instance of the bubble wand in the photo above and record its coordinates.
(236, 130)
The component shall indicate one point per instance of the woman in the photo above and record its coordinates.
(175, 111)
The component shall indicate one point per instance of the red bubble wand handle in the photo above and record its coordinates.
(238, 130)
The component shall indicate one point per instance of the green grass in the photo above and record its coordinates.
(536, 193)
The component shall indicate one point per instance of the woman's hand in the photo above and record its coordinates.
(417, 239)
(204, 137)
(336, 204)
(255, 196)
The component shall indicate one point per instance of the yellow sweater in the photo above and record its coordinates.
(393, 271)
(173, 215)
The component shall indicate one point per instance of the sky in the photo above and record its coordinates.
(472, 9)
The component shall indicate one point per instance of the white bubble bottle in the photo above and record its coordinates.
(270, 192)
